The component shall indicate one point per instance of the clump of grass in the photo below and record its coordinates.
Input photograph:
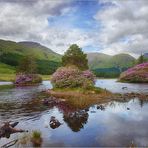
(80, 98)
(7, 77)
(24, 140)
(36, 138)
(36, 134)
(2, 87)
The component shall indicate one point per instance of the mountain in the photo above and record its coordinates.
(12, 52)
(146, 55)
(40, 51)
(48, 61)
(96, 60)
(99, 60)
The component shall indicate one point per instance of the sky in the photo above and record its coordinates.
(106, 26)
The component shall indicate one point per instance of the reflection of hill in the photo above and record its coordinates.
(30, 108)
(76, 120)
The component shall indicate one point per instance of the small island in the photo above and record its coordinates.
(75, 83)
(26, 75)
(136, 74)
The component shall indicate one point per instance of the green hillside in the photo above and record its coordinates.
(109, 66)
(99, 60)
(122, 60)
(4, 68)
(48, 61)
(11, 54)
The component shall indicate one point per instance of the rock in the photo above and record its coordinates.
(124, 87)
(128, 108)
(54, 123)
(87, 109)
(93, 111)
(101, 107)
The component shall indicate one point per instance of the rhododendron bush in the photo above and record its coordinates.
(71, 77)
(139, 73)
(27, 79)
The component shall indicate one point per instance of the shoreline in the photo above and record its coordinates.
(83, 100)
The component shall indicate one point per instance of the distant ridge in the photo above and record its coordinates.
(100, 60)
(12, 52)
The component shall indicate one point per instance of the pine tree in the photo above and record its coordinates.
(141, 59)
(75, 56)
(28, 65)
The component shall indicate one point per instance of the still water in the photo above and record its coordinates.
(120, 124)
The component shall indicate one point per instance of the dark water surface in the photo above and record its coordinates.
(120, 124)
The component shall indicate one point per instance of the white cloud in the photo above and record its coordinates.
(124, 26)
(21, 21)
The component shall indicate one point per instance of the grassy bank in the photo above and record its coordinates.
(6, 86)
(11, 77)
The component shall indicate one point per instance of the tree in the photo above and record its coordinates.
(28, 65)
(75, 56)
(141, 59)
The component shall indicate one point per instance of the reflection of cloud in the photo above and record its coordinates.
(123, 126)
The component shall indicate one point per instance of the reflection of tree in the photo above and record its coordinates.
(76, 120)
(141, 103)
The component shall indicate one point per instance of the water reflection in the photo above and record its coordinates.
(111, 124)
(118, 87)
(76, 120)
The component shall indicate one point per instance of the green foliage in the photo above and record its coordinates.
(6, 87)
(28, 65)
(108, 72)
(36, 138)
(4, 68)
(11, 58)
(140, 59)
(47, 67)
(75, 56)
(36, 134)
(11, 53)
(99, 60)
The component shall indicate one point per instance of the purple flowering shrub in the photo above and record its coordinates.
(138, 73)
(71, 77)
(27, 79)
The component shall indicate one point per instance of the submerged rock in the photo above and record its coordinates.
(54, 123)
(101, 107)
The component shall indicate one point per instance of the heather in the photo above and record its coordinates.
(27, 79)
(72, 77)
(138, 73)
